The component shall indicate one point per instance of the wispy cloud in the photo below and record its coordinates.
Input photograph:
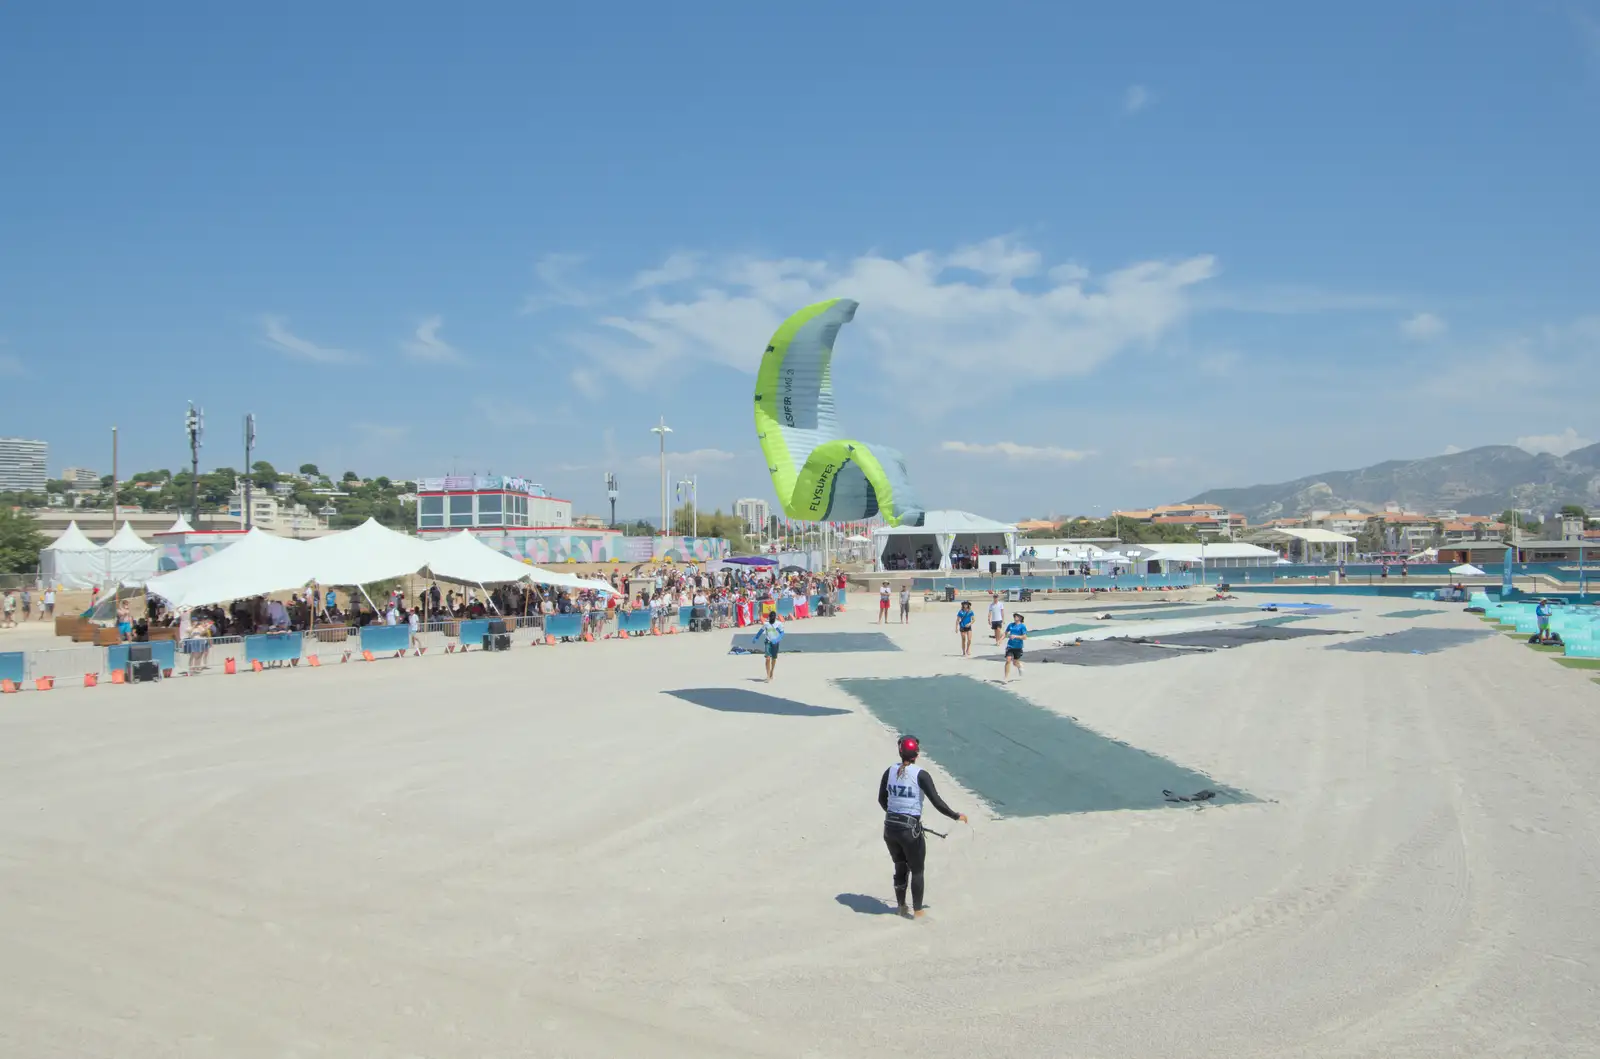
(1136, 99)
(1288, 299)
(426, 345)
(1158, 464)
(1422, 327)
(556, 284)
(1555, 444)
(689, 459)
(677, 268)
(277, 336)
(505, 415)
(927, 316)
(1013, 451)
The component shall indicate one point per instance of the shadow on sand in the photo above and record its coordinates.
(742, 700)
(866, 905)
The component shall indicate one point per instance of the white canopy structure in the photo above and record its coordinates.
(1467, 570)
(463, 557)
(255, 566)
(72, 560)
(261, 563)
(128, 559)
(940, 531)
(180, 526)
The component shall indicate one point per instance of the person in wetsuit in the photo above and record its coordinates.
(901, 791)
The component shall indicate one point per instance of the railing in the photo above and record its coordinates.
(333, 644)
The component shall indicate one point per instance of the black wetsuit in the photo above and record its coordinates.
(907, 845)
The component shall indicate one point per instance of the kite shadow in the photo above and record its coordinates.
(867, 905)
(742, 700)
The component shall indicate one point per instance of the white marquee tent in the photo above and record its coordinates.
(72, 560)
(939, 532)
(261, 563)
(180, 526)
(128, 559)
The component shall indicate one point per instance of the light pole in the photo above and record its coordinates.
(611, 494)
(689, 488)
(249, 473)
(662, 430)
(195, 423)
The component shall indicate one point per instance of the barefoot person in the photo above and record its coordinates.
(900, 793)
(883, 604)
(905, 604)
(772, 635)
(964, 618)
(1016, 635)
(997, 617)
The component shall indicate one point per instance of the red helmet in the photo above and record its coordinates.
(909, 747)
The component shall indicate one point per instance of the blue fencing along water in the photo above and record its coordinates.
(162, 652)
(273, 647)
(12, 666)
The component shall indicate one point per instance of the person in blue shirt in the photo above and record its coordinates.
(772, 635)
(1543, 612)
(1016, 635)
(964, 618)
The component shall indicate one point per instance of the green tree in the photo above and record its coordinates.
(310, 470)
(1574, 511)
(712, 524)
(58, 486)
(263, 474)
(1371, 537)
(20, 542)
(350, 476)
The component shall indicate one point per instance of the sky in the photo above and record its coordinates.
(1106, 257)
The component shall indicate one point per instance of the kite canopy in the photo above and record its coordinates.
(820, 476)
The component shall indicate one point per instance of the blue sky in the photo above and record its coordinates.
(1104, 257)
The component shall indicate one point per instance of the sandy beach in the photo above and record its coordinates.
(545, 853)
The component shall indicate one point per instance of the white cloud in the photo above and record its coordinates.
(276, 335)
(1555, 444)
(553, 273)
(505, 415)
(925, 318)
(677, 268)
(1422, 327)
(689, 459)
(426, 345)
(1137, 98)
(1157, 463)
(1013, 451)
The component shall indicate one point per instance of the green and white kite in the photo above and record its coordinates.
(819, 476)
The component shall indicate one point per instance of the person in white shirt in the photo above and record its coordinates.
(883, 604)
(997, 617)
(389, 615)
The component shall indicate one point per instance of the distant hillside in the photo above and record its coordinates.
(1482, 481)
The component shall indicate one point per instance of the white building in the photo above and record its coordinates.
(488, 501)
(81, 478)
(754, 512)
(270, 513)
(22, 465)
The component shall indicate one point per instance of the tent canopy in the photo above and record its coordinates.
(180, 526)
(72, 560)
(1467, 570)
(72, 539)
(127, 540)
(128, 559)
(463, 557)
(939, 532)
(751, 560)
(256, 565)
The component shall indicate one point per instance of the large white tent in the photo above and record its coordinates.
(256, 565)
(72, 560)
(128, 559)
(939, 532)
(261, 563)
(179, 526)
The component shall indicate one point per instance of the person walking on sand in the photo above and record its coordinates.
(1016, 635)
(997, 616)
(771, 634)
(905, 604)
(883, 604)
(901, 791)
(964, 618)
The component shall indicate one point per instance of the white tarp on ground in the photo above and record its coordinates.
(72, 560)
(128, 558)
(256, 565)
(463, 557)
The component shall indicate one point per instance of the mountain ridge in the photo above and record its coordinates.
(1482, 481)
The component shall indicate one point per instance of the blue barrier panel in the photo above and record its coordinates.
(272, 647)
(11, 666)
(634, 621)
(841, 597)
(473, 631)
(563, 625)
(785, 608)
(685, 616)
(386, 639)
(815, 602)
(163, 652)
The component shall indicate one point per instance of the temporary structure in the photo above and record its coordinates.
(463, 557)
(72, 560)
(370, 552)
(255, 566)
(940, 531)
(1467, 570)
(180, 526)
(127, 559)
